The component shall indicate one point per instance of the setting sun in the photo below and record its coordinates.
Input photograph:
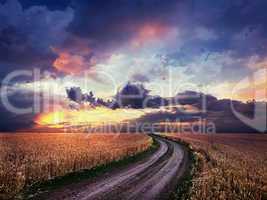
(96, 116)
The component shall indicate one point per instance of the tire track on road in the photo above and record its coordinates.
(152, 178)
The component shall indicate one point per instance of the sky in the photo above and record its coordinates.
(217, 47)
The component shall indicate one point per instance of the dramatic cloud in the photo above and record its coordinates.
(71, 63)
(203, 43)
(139, 78)
(18, 99)
(26, 35)
(113, 22)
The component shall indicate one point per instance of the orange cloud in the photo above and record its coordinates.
(255, 62)
(257, 92)
(247, 89)
(149, 32)
(70, 63)
(254, 87)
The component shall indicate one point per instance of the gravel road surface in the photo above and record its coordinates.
(154, 177)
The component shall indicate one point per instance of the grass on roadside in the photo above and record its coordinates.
(41, 188)
(231, 166)
(182, 191)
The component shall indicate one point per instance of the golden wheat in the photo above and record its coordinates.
(29, 158)
(233, 166)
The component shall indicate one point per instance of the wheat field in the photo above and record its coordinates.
(27, 158)
(232, 166)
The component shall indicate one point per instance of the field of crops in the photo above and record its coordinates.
(231, 167)
(27, 158)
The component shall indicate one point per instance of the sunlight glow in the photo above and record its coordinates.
(96, 116)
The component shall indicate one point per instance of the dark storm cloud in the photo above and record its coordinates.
(27, 35)
(29, 29)
(244, 13)
(16, 52)
(12, 121)
(115, 21)
(51, 4)
(36, 33)
(137, 77)
(239, 25)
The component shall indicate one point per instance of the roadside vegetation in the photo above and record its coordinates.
(229, 166)
(26, 160)
(183, 189)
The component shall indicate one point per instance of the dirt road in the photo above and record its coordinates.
(152, 178)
